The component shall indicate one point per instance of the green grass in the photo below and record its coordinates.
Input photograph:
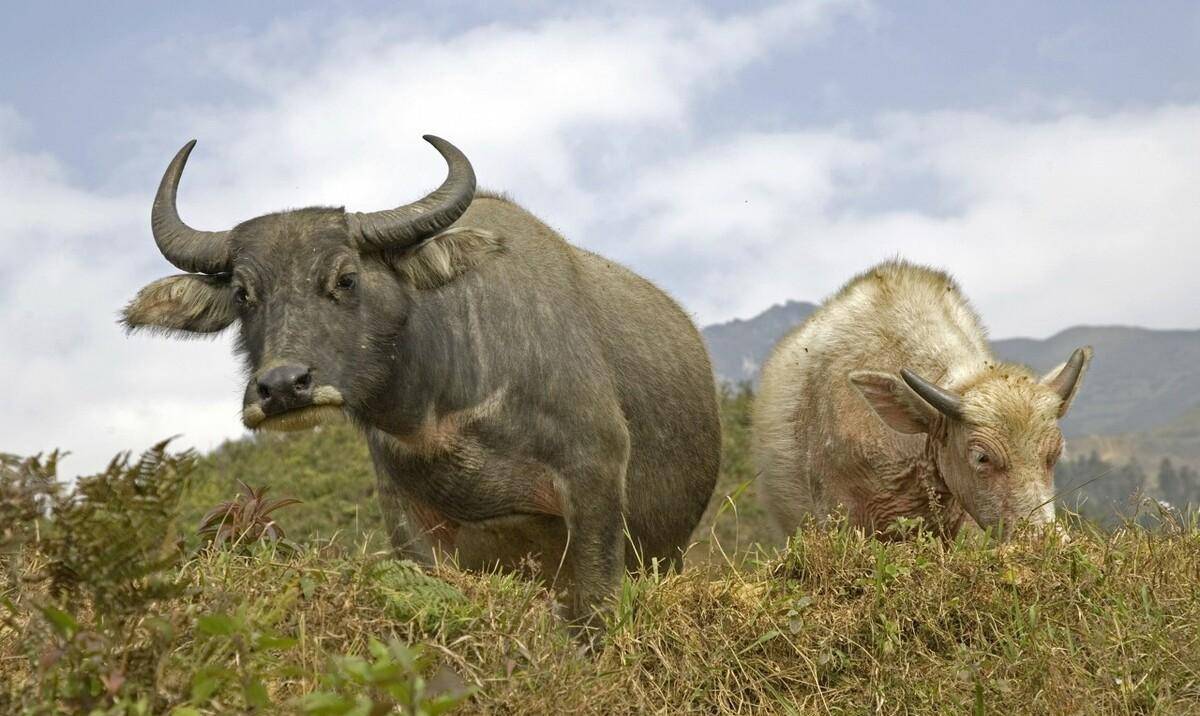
(329, 469)
(1082, 622)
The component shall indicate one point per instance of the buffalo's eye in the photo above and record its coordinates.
(980, 459)
(347, 281)
(240, 296)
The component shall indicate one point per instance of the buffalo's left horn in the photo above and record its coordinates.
(189, 249)
(946, 402)
(1064, 382)
(406, 226)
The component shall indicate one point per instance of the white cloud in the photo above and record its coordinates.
(41, 202)
(1052, 222)
(520, 100)
(74, 381)
(332, 116)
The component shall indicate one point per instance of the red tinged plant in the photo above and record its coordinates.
(246, 518)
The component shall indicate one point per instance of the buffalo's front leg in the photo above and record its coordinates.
(594, 498)
(414, 529)
(406, 539)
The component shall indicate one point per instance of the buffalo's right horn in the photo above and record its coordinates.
(407, 226)
(189, 249)
(946, 402)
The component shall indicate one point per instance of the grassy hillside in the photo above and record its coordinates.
(328, 469)
(836, 624)
(107, 605)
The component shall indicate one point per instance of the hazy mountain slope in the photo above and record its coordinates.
(739, 347)
(1139, 379)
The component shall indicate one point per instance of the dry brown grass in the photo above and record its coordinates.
(837, 624)
(1082, 622)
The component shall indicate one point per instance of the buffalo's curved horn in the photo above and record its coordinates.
(406, 226)
(946, 402)
(189, 249)
(1064, 382)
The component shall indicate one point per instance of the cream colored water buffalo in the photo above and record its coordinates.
(889, 402)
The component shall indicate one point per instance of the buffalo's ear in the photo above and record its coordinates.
(187, 303)
(447, 256)
(893, 401)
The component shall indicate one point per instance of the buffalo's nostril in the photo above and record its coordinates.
(284, 387)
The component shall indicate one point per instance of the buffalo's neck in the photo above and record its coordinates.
(913, 487)
(437, 365)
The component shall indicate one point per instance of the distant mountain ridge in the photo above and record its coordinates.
(1140, 379)
(739, 347)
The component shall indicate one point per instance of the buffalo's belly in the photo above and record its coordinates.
(533, 544)
(490, 508)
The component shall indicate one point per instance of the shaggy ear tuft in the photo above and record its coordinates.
(447, 256)
(893, 401)
(187, 303)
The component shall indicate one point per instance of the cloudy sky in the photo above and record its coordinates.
(738, 154)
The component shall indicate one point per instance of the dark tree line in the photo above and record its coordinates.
(1101, 489)
(1178, 485)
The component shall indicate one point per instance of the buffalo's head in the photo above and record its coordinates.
(995, 438)
(319, 294)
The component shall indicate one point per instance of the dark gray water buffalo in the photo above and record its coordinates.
(521, 396)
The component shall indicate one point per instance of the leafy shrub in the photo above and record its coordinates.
(26, 489)
(104, 556)
(104, 610)
(391, 680)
